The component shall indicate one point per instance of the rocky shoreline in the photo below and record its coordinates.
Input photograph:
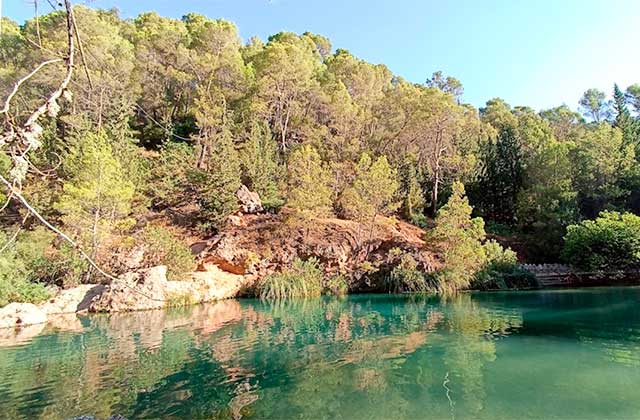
(251, 247)
(138, 290)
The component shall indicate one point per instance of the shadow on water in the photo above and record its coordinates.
(482, 355)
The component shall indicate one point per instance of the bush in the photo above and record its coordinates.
(337, 285)
(302, 280)
(406, 278)
(178, 300)
(163, 248)
(17, 264)
(458, 238)
(610, 242)
(501, 270)
(15, 289)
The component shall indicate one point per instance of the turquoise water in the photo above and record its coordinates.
(553, 354)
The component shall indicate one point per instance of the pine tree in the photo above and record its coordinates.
(623, 119)
(260, 166)
(97, 193)
(459, 238)
(501, 178)
(373, 190)
(309, 184)
(413, 201)
(218, 183)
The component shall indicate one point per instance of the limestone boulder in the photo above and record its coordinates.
(76, 299)
(21, 314)
(133, 291)
(208, 285)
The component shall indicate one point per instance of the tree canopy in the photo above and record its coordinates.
(160, 115)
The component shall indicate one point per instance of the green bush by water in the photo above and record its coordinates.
(406, 277)
(302, 280)
(501, 270)
(20, 263)
(610, 242)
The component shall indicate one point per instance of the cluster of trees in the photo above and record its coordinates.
(167, 114)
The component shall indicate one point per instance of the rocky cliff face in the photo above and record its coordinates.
(261, 244)
(251, 247)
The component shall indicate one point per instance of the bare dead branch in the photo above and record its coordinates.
(80, 48)
(17, 85)
(15, 234)
(51, 102)
(54, 229)
(35, 6)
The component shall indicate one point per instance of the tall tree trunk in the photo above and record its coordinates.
(434, 193)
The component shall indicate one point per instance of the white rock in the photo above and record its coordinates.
(21, 314)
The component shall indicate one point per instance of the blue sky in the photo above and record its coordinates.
(540, 53)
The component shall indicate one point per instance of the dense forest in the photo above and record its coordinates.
(108, 121)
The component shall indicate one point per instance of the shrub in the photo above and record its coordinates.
(610, 242)
(177, 300)
(302, 280)
(15, 289)
(501, 270)
(406, 278)
(164, 248)
(458, 237)
(337, 285)
(17, 262)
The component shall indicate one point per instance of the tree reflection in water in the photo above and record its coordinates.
(378, 356)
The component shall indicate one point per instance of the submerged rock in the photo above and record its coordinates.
(250, 202)
(21, 314)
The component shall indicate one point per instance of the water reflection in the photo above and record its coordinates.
(472, 356)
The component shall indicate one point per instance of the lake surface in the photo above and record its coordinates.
(552, 354)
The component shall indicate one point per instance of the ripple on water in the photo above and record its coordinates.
(571, 354)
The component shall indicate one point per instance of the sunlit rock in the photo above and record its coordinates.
(21, 314)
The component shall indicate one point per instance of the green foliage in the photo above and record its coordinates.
(15, 289)
(170, 181)
(178, 112)
(309, 191)
(501, 270)
(410, 188)
(406, 277)
(594, 105)
(302, 280)
(459, 238)
(97, 192)
(501, 178)
(218, 183)
(610, 242)
(601, 160)
(336, 285)
(373, 190)
(164, 248)
(20, 266)
(261, 168)
(628, 126)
